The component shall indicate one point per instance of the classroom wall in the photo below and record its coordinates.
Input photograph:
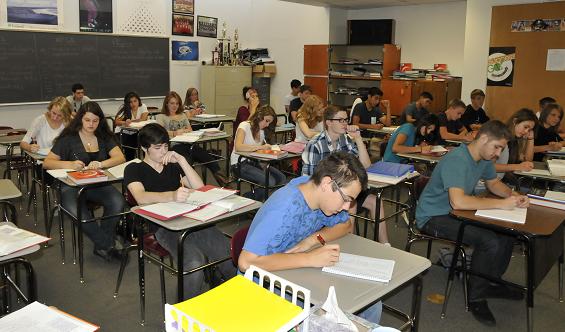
(428, 34)
(282, 27)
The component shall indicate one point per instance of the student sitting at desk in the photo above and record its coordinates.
(547, 137)
(46, 127)
(450, 127)
(253, 135)
(519, 153)
(416, 110)
(410, 138)
(451, 187)
(77, 99)
(309, 120)
(374, 113)
(132, 110)
(285, 230)
(294, 90)
(251, 103)
(192, 104)
(339, 136)
(176, 122)
(305, 92)
(475, 115)
(156, 180)
(89, 142)
(543, 102)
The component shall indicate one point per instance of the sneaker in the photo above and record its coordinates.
(482, 313)
(504, 292)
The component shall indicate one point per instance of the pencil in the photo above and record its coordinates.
(181, 183)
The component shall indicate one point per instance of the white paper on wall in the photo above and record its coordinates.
(142, 17)
(555, 60)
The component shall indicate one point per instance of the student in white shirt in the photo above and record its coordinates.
(252, 135)
(46, 127)
(294, 90)
(132, 110)
(310, 119)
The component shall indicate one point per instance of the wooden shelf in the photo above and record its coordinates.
(356, 64)
(357, 78)
(345, 94)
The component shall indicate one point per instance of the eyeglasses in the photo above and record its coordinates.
(344, 197)
(340, 120)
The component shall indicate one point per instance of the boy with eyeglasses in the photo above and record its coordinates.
(339, 136)
(283, 234)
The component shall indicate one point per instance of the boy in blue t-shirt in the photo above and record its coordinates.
(284, 230)
(451, 187)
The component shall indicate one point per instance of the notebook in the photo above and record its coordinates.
(13, 239)
(237, 305)
(190, 137)
(362, 267)
(118, 171)
(219, 208)
(516, 215)
(552, 199)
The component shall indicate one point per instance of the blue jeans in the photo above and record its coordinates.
(100, 233)
(253, 172)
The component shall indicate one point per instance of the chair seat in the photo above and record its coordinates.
(151, 244)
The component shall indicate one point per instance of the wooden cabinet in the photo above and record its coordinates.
(220, 88)
(335, 71)
(402, 92)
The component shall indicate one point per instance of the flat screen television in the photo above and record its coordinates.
(370, 32)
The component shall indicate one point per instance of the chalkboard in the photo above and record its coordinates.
(37, 66)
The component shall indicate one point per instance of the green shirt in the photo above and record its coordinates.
(456, 170)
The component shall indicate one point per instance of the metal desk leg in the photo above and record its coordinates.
(180, 265)
(141, 267)
(560, 276)
(530, 284)
(267, 181)
(416, 302)
(377, 214)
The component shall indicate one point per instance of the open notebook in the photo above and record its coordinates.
(13, 239)
(218, 208)
(516, 215)
(362, 267)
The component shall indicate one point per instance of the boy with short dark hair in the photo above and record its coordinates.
(374, 113)
(450, 127)
(305, 92)
(77, 98)
(294, 90)
(475, 115)
(418, 109)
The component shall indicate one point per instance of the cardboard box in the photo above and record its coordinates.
(270, 68)
(258, 68)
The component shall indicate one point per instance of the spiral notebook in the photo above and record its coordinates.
(362, 267)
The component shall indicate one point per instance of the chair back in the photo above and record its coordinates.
(111, 123)
(237, 242)
(129, 198)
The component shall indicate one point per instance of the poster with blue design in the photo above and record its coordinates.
(184, 51)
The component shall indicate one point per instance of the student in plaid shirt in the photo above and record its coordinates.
(339, 136)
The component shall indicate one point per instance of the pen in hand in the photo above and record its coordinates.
(181, 183)
(320, 239)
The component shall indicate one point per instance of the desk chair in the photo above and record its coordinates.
(20, 163)
(414, 235)
(8, 191)
(237, 242)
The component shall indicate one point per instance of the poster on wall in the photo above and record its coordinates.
(207, 27)
(183, 6)
(34, 14)
(543, 25)
(184, 51)
(500, 66)
(95, 16)
(183, 25)
(142, 17)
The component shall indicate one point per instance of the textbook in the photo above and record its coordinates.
(87, 176)
(118, 170)
(237, 305)
(212, 132)
(552, 199)
(218, 208)
(196, 199)
(141, 124)
(362, 267)
(269, 154)
(190, 137)
(39, 317)
(556, 167)
(13, 239)
(390, 179)
(516, 215)
(208, 116)
(59, 173)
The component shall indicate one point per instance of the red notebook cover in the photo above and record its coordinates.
(87, 176)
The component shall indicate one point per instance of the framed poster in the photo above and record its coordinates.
(183, 6)
(501, 66)
(183, 25)
(34, 14)
(95, 16)
(207, 27)
(184, 51)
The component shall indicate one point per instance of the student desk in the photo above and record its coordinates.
(204, 141)
(354, 295)
(427, 158)
(75, 219)
(538, 165)
(212, 120)
(285, 133)
(37, 168)
(9, 191)
(268, 161)
(542, 225)
(184, 226)
(10, 141)
(383, 131)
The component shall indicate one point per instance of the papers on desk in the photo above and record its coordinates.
(562, 151)
(552, 199)
(189, 137)
(534, 171)
(59, 173)
(556, 167)
(197, 199)
(391, 179)
(39, 317)
(13, 239)
(438, 149)
(141, 124)
(219, 208)
(118, 171)
(208, 116)
(362, 267)
(516, 215)
(389, 130)
(391, 173)
(269, 153)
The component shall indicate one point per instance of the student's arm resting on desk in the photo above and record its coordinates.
(456, 137)
(53, 161)
(523, 166)
(32, 133)
(460, 201)
(399, 147)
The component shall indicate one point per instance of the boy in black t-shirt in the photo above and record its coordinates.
(450, 127)
(374, 113)
(305, 92)
(157, 179)
(475, 115)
